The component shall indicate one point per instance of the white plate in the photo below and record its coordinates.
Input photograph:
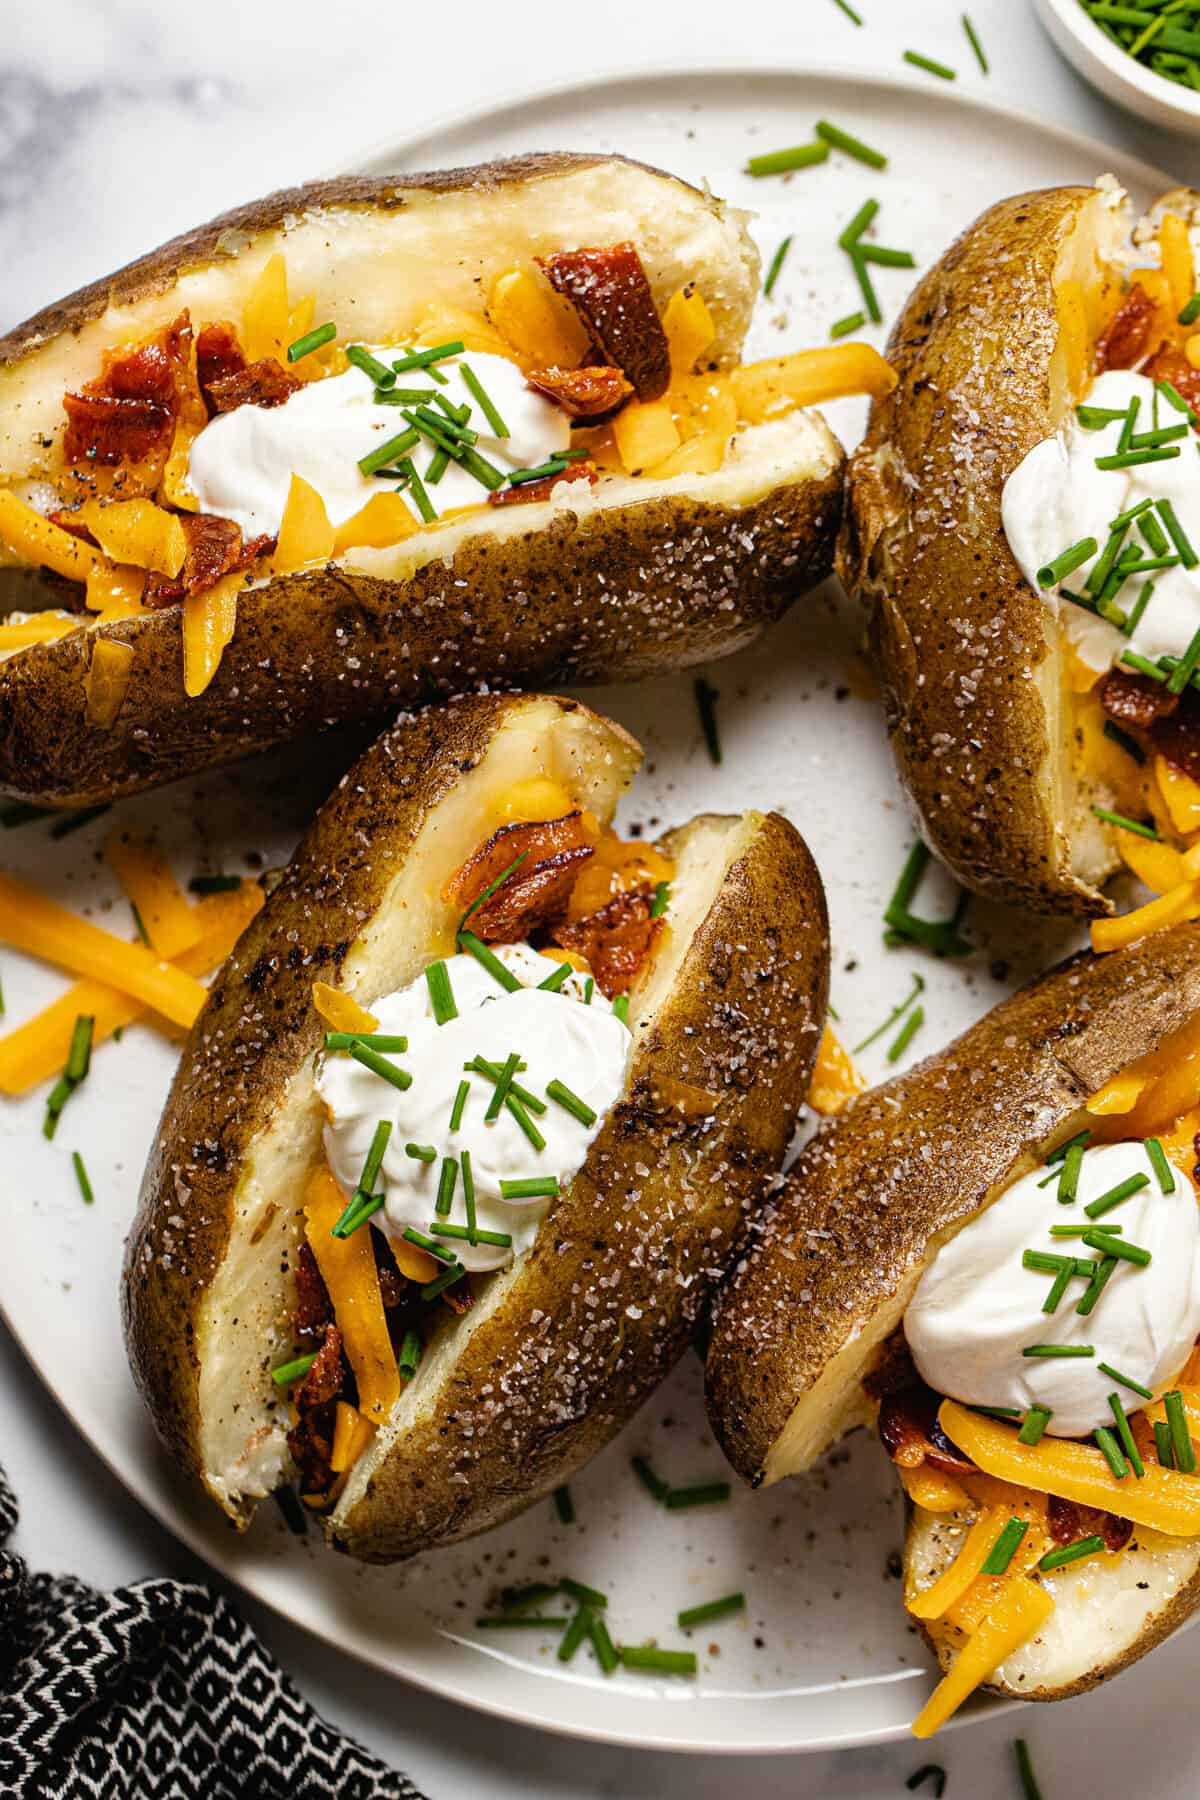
(823, 1655)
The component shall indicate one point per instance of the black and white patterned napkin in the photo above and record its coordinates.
(156, 1691)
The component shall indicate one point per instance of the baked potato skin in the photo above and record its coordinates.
(957, 634)
(914, 1158)
(619, 1274)
(580, 598)
(257, 1027)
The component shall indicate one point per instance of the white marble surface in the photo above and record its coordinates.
(121, 122)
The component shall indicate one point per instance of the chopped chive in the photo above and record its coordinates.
(1126, 1437)
(380, 374)
(530, 1187)
(1033, 1425)
(1185, 668)
(21, 813)
(519, 1622)
(395, 447)
(710, 1493)
(845, 6)
(445, 422)
(1181, 1438)
(1178, 535)
(1114, 1196)
(977, 47)
(292, 1371)
(502, 1239)
(1130, 423)
(469, 1197)
(662, 899)
(939, 935)
(712, 1609)
(476, 389)
(1081, 1230)
(653, 1484)
(75, 821)
(81, 1176)
(1070, 1553)
(866, 287)
(365, 1207)
(1125, 1381)
(57, 1098)
(1139, 606)
(1190, 313)
(439, 462)
(1160, 1165)
(586, 1596)
(379, 1065)
(1130, 745)
(570, 1102)
(1058, 1289)
(556, 979)
(421, 359)
(853, 231)
(366, 1181)
(404, 396)
(564, 1506)
(425, 1153)
(409, 1359)
(214, 884)
(589, 988)
(288, 1502)
(929, 65)
(79, 1056)
(1066, 562)
(460, 1101)
(433, 1289)
(1162, 1444)
(459, 414)
(1059, 1350)
(706, 705)
(517, 1109)
(579, 1628)
(620, 1008)
(554, 465)
(416, 488)
(431, 1248)
(782, 162)
(1166, 434)
(602, 1644)
(1142, 665)
(441, 994)
(1113, 1246)
(906, 1033)
(777, 262)
(1174, 398)
(521, 1599)
(1095, 418)
(1104, 1269)
(1124, 824)
(1043, 1262)
(1005, 1547)
(885, 257)
(480, 1065)
(933, 1773)
(500, 1091)
(489, 890)
(507, 980)
(374, 1040)
(843, 327)
(918, 987)
(837, 139)
(999, 1412)
(485, 472)
(658, 1662)
(1132, 459)
(1110, 1449)
(1068, 1184)
(446, 1181)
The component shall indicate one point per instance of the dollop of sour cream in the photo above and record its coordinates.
(242, 463)
(1056, 497)
(977, 1307)
(558, 1035)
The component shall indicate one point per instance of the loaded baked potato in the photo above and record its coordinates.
(371, 441)
(994, 1260)
(431, 1210)
(1021, 519)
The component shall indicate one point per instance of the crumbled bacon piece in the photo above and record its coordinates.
(911, 1435)
(1136, 699)
(609, 290)
(616, 941)
(219, 354)
(588, 393)
(1173, 366)
(311, 1438)
(314, 1309)
(1127, 337)
(265, 383)
(1177, 736)
(543, 487)
(214, 548)
(1069, 1522)
(125, 420)
(536, 892)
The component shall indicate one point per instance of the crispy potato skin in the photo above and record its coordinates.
(624, 1263)
(957, 633)
(619, 594)
(259, 1025)
(743, 1021)
(161, 269)
(915, 1158)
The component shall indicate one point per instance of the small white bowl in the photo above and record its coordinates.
(1099, 61)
